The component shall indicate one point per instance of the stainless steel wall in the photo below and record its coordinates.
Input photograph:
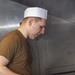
(11, 14)
(57, 48)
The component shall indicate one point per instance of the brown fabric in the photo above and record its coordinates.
(16, 49)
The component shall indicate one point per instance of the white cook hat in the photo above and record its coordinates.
(35, 12)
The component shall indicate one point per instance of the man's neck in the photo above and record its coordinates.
(24, 32)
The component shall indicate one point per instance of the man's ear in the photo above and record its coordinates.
(31, 21)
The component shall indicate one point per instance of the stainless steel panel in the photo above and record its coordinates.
(11, 14)
(57, 46)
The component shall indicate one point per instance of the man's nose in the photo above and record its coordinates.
(42, 31)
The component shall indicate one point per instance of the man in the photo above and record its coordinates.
(15, 55)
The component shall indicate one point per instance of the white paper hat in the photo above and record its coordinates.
(35, 12)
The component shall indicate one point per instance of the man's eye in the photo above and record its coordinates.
(41, 27)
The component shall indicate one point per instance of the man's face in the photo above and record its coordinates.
(37, 28)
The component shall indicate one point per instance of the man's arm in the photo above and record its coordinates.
(3, 69)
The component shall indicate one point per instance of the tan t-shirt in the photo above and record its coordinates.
(16, 49)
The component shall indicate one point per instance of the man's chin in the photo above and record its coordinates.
(33, 38)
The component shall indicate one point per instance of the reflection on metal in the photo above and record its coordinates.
(9, 26)
(11, 14)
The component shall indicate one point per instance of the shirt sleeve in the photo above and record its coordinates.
(8, 47)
